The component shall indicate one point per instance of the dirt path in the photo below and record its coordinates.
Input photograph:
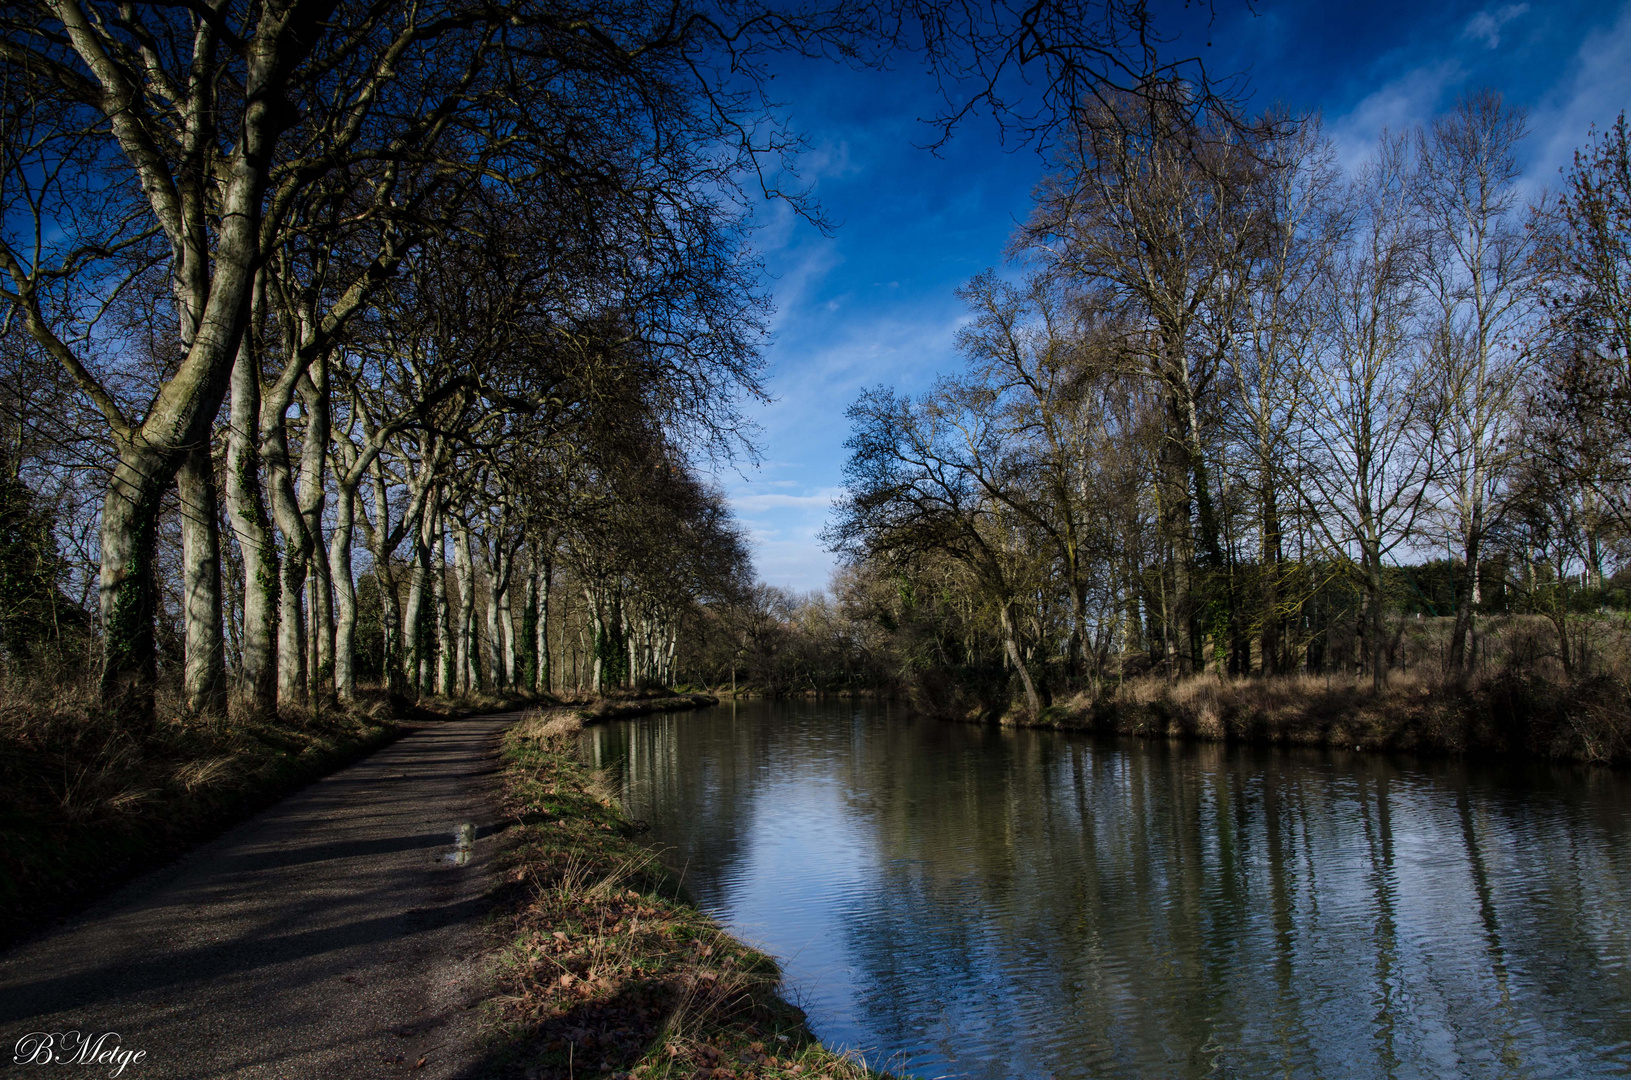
(331, 936)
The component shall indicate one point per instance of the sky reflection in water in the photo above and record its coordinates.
(973, 902)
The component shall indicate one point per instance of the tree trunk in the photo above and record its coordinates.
(1269, 614)
(291, 675)
(447, 665)
(506, 620)
(597, 625)
(630, 648)
(411, 645)
(322, 621)
(382, 546)
(246, 509)
(314, 399)
(345, 595)
(1014, 657)
(415, 667)
(490, 657)
(544, 684)
(204, 676)
(1178, 471)
(1373, 603)
(1467, 601)
(464, 571)
(130, 517)
(292, 672)
(213, 287)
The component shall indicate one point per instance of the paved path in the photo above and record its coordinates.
(329, 937)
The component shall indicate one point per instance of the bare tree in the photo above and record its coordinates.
(1479, 275)
(1148, 205)
(1368, 441)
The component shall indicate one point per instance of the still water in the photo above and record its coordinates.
(975, 902)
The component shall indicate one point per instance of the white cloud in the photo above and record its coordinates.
(1397, 105)
(758, 502)
(1486, 26)
(1599, 90)
(784, 533)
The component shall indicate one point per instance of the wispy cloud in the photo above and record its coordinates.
(784, 531)
(1599, 90)
(1486, 26)
(758, 502)
(1397, 105)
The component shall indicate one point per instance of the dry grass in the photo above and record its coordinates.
(604, 969)
(635, 704)
(1516, 701)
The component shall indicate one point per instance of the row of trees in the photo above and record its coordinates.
(1238, 388)
(323, 314)
(470, 282)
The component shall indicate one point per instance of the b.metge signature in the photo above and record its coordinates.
(73, 1048)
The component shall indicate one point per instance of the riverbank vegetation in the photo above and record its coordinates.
(604, 968)
(1253, 444)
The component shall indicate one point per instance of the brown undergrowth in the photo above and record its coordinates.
(604, 968)
(87, 802)
(1506, 714)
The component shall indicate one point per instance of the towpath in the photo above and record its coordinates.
(332, 936)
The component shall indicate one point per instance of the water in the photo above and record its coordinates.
(974, 902)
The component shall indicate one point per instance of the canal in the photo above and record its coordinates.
(965, 901)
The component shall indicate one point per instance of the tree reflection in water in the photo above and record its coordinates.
(972, 901)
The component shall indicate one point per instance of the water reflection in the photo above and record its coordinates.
(989, 903)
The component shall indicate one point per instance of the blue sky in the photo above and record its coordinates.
(874, 302)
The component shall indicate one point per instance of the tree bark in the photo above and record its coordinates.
(415, 663)
(447, 667)
(1014, 657)
(490, 657)
(469, 676)
(1466, 607)
(204, 676)
(1373, 604)
(506, 621)
(246, 509)
(1269, 643)
(130, 517)
(345, 594)
(542, 568)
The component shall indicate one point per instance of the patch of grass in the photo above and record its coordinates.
(603, 967)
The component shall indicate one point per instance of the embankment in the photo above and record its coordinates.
(1587, 721)
(604, 967)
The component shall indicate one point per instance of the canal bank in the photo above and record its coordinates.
(603, 965)
(1509, 715)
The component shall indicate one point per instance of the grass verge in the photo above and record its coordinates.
(604, 967)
